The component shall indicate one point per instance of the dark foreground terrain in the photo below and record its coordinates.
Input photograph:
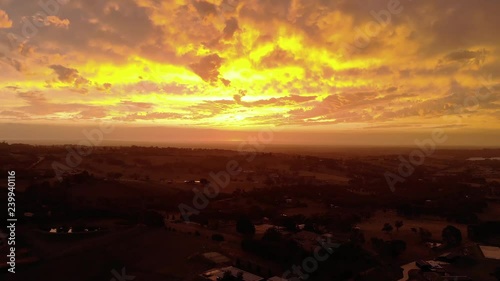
(152, 213)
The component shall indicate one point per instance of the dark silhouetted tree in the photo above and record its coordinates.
(272, 235)
(424, 234)
(217, 237)
(396, 247)
(496, 273)
(452, 236)
(245, 226)
(387, 228)
(398, 225)
(227, 276)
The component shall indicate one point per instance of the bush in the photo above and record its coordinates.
(245, 226)
(452, 236)
(217, 237)
(152, 218)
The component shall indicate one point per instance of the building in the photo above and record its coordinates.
(214, 274)
(216, 258)
(276, 278)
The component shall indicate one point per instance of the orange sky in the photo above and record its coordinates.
(386, 66)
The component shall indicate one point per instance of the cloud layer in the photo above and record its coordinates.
(316, 64)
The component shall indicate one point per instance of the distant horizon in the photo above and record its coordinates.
(165, 136)
(355, 73)
(233, 145)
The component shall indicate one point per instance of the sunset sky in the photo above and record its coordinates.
(324, 67)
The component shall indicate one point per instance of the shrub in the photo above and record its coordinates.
(217, 237)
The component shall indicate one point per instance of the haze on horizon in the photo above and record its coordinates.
(324, 72)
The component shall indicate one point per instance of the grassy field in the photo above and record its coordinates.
(415, 248)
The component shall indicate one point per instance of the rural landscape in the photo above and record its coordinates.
(157, 213)
(250, 140)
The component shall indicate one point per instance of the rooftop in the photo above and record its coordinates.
(216, 258)
(491, 252)
(215, 273)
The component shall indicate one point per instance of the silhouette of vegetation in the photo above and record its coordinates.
(228, 276)
(217, 237)
(272, 235)
(398, 224)
(387, 228)
(452, 236)
(245, 226)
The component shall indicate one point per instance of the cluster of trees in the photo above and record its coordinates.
(217, 237)
(387, 228)
(424, 234)
(451, 236)
(114, 175)
(245, 226)
(153, 218)
(457, 203)
(392, 248)
(272, 246)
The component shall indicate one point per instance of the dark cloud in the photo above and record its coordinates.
(34, 98)
(204, 8)
(69, 75)
(239, 96)
(39, 105)
(104, 87)
(467, 56)
(133, 106)
(16, 64)
(278, 57)
(230, 28)
(208, 68)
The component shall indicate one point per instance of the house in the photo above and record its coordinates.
(216, 258)
(490, 252)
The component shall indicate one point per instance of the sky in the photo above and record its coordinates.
(363, 71)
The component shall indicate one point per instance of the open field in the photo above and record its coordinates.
(415, 248)
(140, 250)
